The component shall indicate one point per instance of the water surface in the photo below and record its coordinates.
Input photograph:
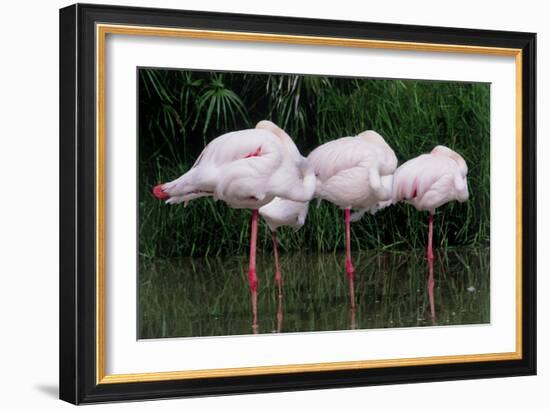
(194, 297)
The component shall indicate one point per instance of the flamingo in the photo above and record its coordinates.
(431, 180)
(277, 213)
(354, 172)
(428, 182)
(246, 169)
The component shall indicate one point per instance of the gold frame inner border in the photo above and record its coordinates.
(102, 30)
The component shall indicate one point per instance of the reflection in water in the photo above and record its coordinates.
(431, 285)
(279, 327)
(352, 318)
(207, 296)
(280, 314)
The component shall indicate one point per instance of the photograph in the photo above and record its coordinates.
(290, 203)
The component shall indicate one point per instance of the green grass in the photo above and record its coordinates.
(181, 111)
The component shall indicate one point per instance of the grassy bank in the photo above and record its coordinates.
(180, 111)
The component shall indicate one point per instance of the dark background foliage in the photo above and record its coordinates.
(181, 111)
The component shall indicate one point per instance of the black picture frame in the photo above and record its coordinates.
(78, 313)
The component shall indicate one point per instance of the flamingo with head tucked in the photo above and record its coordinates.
(428, 182)
(278, 213)
(354, 172)
(246, 169)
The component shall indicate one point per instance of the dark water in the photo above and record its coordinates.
(207, 297)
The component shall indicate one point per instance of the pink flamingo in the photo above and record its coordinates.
(428, 182)
(284, 212)
(354, 172)
(278, 213)
(246, 169)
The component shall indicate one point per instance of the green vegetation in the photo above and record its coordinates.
(181, 111)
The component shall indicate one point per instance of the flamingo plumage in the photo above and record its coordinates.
(285, 212)
(431, 180)
(246, 169)
(354, 172)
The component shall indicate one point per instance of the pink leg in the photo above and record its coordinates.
(431, 282)
(278, 276)
(430, 236)
(279, 281)
(280, 315)
(349, 266)
(252, 278)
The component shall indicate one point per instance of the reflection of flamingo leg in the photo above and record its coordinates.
(278, 276)
(352, 318)
(252, 277)
(349, 266)
(280, 315)
(431, 284)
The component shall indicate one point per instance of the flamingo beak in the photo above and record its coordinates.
(159, 193)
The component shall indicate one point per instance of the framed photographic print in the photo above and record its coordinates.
(258, 203)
